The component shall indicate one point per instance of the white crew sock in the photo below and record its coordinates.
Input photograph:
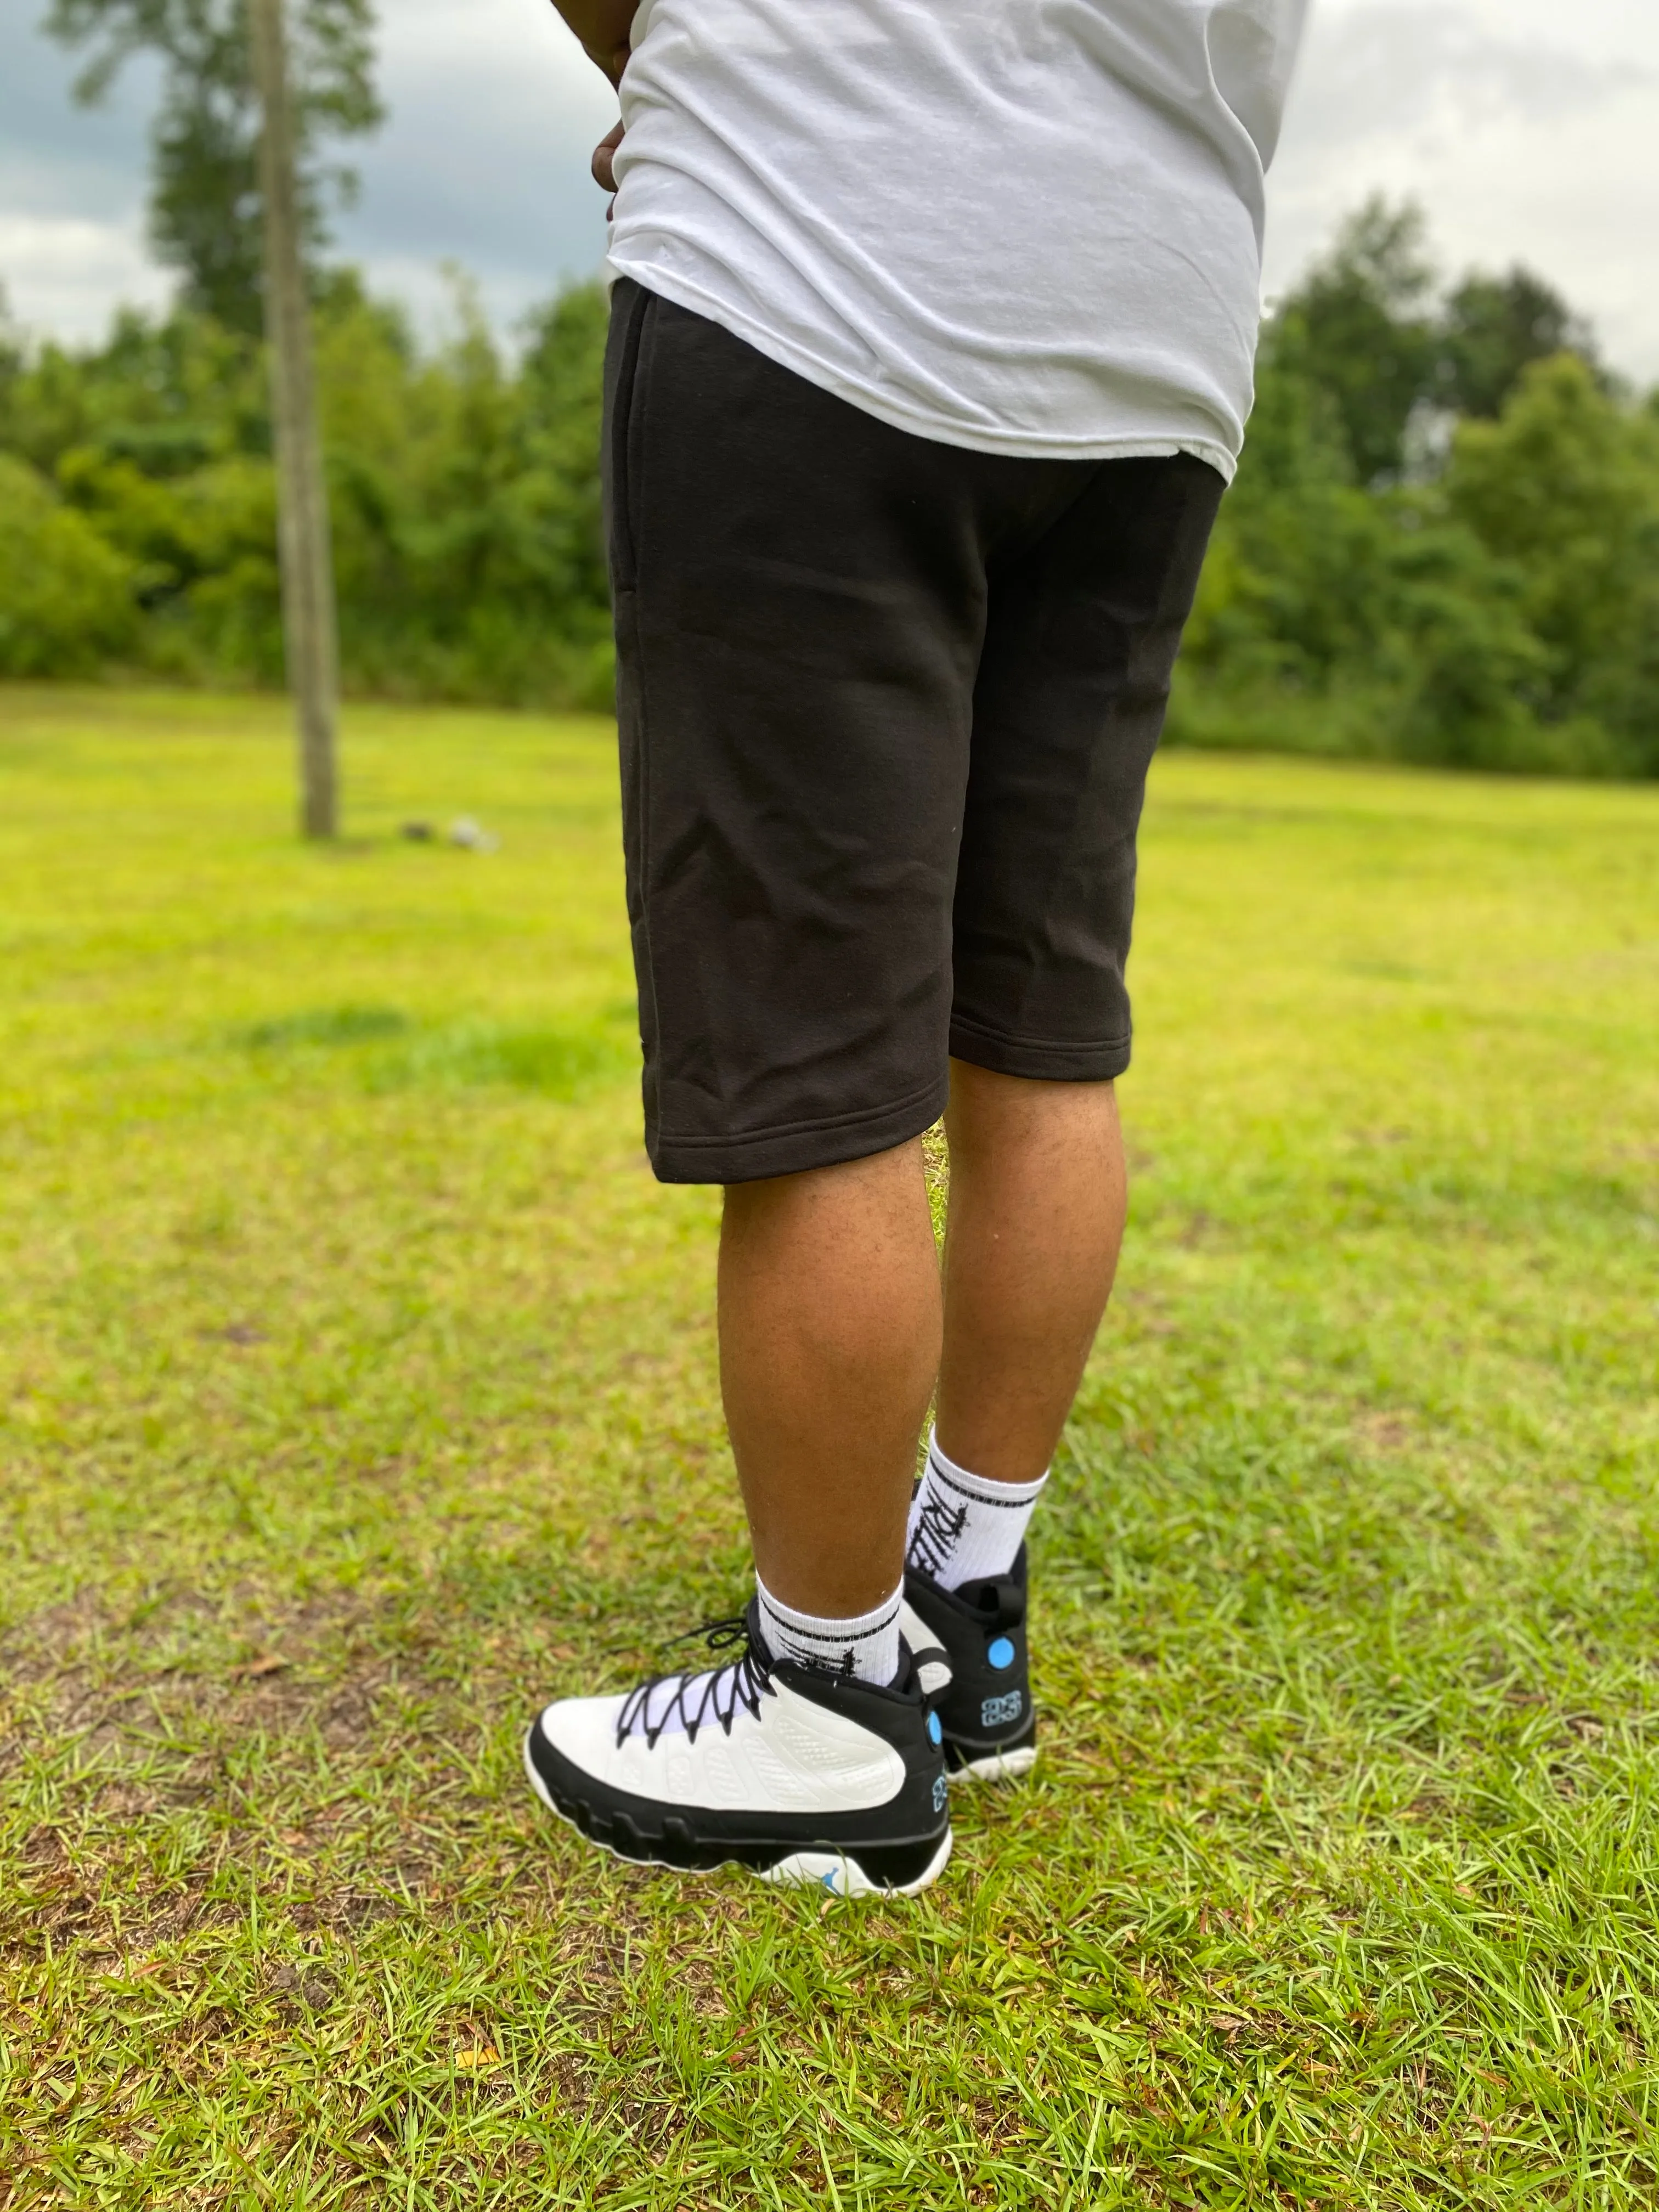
(964, 1527)
(863, 1650)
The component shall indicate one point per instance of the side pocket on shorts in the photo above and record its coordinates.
(620, 464)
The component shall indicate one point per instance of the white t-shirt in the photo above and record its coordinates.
(1023, 226)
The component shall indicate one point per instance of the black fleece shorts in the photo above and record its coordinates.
(886, 711)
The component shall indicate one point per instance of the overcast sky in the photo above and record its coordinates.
(1530, 131)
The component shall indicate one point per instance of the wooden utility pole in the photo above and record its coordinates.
(309, 639)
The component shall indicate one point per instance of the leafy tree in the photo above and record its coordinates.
(65, 599)
(1565, 485)
(1492, 328)
(1360, 327)
(204, 210)
(463, 488)
(1363, 329)
(1504, 614)
(1352, 621)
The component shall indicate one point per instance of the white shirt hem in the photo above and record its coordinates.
(1028, 445)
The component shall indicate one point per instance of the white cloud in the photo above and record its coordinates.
(486, 157)
(494, 113)
(1527, 135)
(64, 274)
(1429, 75)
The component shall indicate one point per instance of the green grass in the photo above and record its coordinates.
(357, 1389)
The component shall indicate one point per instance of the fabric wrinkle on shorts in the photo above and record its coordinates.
(886, 710)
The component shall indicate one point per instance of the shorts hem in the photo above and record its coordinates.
(756, 1157)
(1040, 1059)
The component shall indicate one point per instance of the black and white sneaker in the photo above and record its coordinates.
(971, 1655)
(805, 1776)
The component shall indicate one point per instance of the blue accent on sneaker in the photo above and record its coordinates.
(935, 1733)
(984, 1705)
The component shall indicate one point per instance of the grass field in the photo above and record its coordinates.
(357, 1390)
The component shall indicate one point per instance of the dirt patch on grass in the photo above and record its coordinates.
(94, 1673)
(1386, 1429)
(338, 1758)
(190, 1731)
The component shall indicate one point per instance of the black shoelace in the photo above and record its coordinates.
(740, 1684)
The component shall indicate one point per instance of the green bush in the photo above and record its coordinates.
(1388, 577)
(1565, 485)
(1501, 614)
(463, 494)
(66, 595)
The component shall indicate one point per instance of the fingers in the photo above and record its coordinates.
(604, 174)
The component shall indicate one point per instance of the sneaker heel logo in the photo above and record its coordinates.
(941, 1792)
(997, 1712)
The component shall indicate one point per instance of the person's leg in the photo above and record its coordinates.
(814, 1756)
(1082, 627)
(1037, 1196)
(800, 598)
(1035, 1221)
(1080, 639)
(830, 1343)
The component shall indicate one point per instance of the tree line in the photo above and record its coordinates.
(138, 503)
(1443, 541)
(1443, 545)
